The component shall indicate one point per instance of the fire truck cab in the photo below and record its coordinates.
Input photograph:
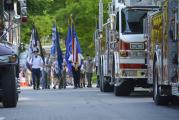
(123, 53)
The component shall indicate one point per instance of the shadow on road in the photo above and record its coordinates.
(141, 94)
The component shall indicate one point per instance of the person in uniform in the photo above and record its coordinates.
(76, 69)
(36, 62)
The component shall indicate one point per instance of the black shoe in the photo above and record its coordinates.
(54, 87)
(34, 87)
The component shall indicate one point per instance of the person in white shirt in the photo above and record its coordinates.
(82, 76)
(76, 69)
(36, 63)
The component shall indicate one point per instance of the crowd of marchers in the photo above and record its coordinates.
(47, 74)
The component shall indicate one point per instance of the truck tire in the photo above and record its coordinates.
(174, 100)
(124, 88)
(158, 99)
(9, 87)
(106, 87)
(101, 82)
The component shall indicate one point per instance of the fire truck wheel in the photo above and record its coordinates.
(9, 87)
(123, 89)
(101, 83)
(158, 99)
(106, 86)
(175, 100)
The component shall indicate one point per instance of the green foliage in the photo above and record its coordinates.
(44, 12)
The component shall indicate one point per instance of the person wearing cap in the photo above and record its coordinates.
(36, 63)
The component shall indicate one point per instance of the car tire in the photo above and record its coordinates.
(10, 96)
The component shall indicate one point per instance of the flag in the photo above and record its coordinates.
(59, 51)
(77, 42)
(68, 48)
(33, 40)
(72, 45)
(32, 47)
(40, 46)
(55, 49)
(35, 44)
(54, 37)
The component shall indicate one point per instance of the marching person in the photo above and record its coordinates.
(56, 74)
(64, 71)
(36, 62)
(82, 76)
(76, 69)
(47, 71)
(89, 70)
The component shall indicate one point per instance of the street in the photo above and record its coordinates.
(86, 104)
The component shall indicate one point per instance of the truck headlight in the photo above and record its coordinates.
(123, 53)
(8, 58)
(12, 58)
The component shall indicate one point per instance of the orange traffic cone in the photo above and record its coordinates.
(23, 82)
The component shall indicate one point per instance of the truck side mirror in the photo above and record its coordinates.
(17, 18)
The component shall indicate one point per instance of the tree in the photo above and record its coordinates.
(44, 12)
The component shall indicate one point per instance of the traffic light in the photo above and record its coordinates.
(9, 5)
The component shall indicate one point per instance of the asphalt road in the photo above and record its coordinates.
(86, 104)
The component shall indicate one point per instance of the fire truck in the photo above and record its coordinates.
(10, 22)
(121, 47)
(162, 34)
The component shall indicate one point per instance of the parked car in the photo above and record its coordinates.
(8, 75)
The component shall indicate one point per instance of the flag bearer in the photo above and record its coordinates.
(76, 69)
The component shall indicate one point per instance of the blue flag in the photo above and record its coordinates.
(54, 37)
(55, 49)
(59, 51)
(68, 49)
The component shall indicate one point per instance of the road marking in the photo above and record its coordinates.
(2, 118)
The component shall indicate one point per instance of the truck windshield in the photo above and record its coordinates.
(132, 21)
